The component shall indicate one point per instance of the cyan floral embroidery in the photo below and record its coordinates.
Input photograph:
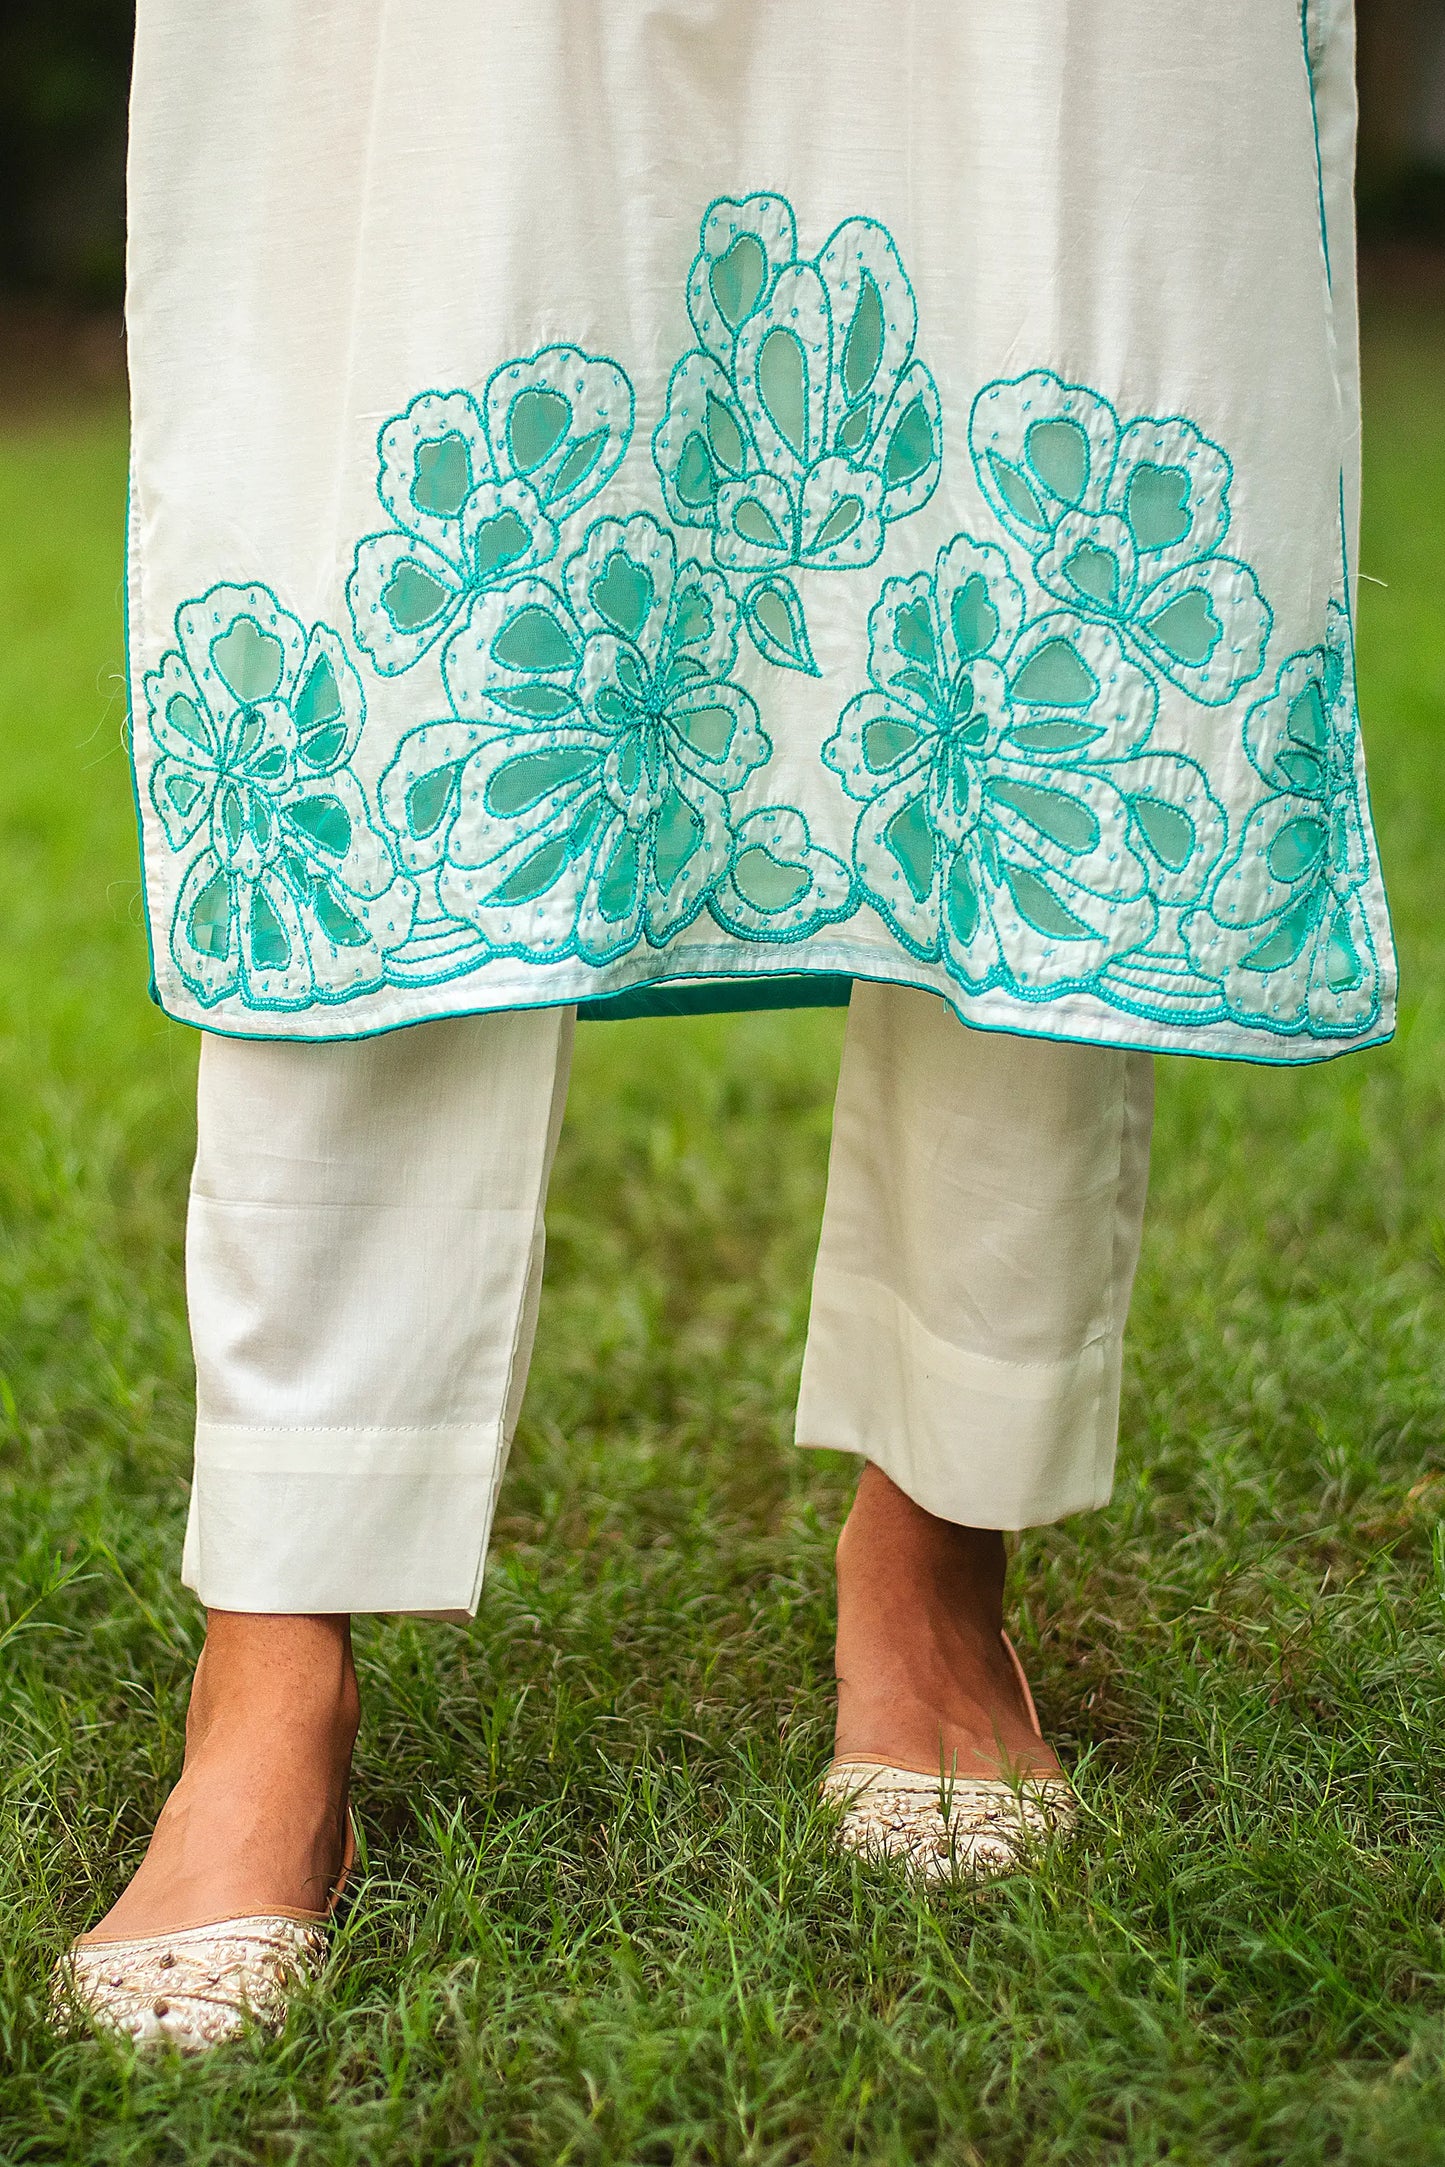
(1124, 524)
(601, 782)
(1012, 824)
(1285, 931)
(290, 895)
(581, 799)
(478, 492)
(802, 425)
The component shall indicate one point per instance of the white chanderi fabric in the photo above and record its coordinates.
(646, 497)
(364, 1261)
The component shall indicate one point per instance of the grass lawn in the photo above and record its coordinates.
(599, 1920)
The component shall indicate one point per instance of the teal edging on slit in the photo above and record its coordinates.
(720, 997)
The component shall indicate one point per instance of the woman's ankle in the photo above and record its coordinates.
(294, 1673)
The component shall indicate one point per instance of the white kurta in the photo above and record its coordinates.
(692, 502)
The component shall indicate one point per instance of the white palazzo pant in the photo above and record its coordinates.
(364, 1262)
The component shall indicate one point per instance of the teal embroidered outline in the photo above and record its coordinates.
(1125, 522)
(290, 895)
(803, 424)
(1286, 930)
(1016, 825)
(581, 800)
(476, 492)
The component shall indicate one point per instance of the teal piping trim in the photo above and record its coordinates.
(1014, 1028)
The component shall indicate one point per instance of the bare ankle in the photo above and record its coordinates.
(297, 1671)
(891, 1548)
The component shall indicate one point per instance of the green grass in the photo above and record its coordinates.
(599, 1919)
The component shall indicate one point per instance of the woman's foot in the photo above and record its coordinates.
(924, 1679)
(257, 1821)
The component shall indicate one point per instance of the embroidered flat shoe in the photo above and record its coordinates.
(942, 1827)
(203, 1985)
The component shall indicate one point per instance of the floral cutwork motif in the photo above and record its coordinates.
(1014, 824)
(477, 493)
(1125, 524)
(802, 425)
(1286, 931)
(291, 896)
(581, 800)
(599, 786)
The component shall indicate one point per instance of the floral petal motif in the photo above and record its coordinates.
(350, 937)
(275, 963)
(181, 794)
(908, 659)
(781, 368)
(1071, 829)
(689, 851)
(781, 885)
(1075, 692)
(326, 827)
(516, 656)
(1041, 449)
(874, 316)
(1171, 487)
(431, 459)
(899, 860)
(620, 581)
(1288, 947)
(505, 532)
(803, 425)
(1206, 627)
(328, 706)
(777, 627)
(908, 449)
(180, 722)
(756, 525)
(1091, 563)
(402, 596)
(745, 244)
(1053, 932)
(841, 527)
(704, 442)
(561, 422)
(980, 603)
(702, 630)
(531, 822)
(877, 742)
(1285, 930)
(242, 650)
(717, 735)
(205, 941)
(420, 793)
(1177, 826)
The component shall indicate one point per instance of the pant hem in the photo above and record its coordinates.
(975, 1440)
(319, 1522)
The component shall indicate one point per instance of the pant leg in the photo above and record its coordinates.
(364, 1261)
(984, 1211)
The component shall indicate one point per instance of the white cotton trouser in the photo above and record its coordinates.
(364, 1263)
